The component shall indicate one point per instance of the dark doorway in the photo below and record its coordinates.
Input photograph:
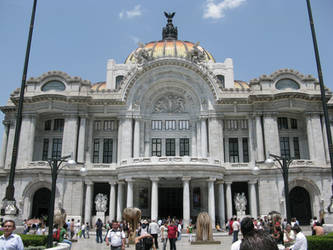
(239, 187)
(170, 202)
(41, 203)
(300, 206)
(103, 188)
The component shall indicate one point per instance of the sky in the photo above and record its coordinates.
(79, 36)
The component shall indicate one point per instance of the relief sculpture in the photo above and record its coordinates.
(169, 104)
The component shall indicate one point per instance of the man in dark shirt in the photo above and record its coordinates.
(99, 228)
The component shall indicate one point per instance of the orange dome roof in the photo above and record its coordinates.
(169, 48)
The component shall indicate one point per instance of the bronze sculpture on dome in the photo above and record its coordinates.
(169, 31)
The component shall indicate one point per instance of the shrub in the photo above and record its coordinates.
(33, 240)
(324, 242)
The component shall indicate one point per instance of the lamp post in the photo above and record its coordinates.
(284, 163)
(323, 99)
(55, 165)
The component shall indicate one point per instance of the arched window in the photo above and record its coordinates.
(221, 79)
(287, 83)
(54, 85)
(118, 81)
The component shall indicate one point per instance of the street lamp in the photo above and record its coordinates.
(55, 165)
(284, 163)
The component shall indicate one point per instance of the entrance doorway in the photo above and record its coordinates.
(170, 202)
(300, 206)
(41, 203)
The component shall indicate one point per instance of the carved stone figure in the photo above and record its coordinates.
(195, 54)
(204, 227)
(169, 31)
(59, 215)
(133, 216)
(101, 202)
(240, 202)
(142, 54)
(170, 104)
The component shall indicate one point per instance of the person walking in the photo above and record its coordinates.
(99, 228)
(172, 235)
(9, 240)
(87, 229)
(154, 231)
(116, 237)
(235, 229)
(164, 234)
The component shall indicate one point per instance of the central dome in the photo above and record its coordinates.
(169, 48)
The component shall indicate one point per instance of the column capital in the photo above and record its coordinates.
(154, 179)
(219, 181)
(186, 178)
(252, 182)
(112, 183)
(228, 182)
(270, 114)
(88, 182)
(121, 182)
(129, 180)
(211, 179)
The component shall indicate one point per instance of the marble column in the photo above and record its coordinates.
(10, 144)
(126, 139)
(253, 199)
(318, 140)
(69, 137)
(310, 137)
(221, 204)
(147, 138)
(260, 140)
(324, 132)
(251, 141)
(88, 203)
(186, 201)
(30, 153)
(204, 138)
(4, 145)
(228, 199)
(119, 139)
(112, 206)
(82, 140)
(129, 192)
(154, 198)
(215, 138)
(26, 143)
(194, 139)
(90, 149)
(199, 151)
(211, 200)
(136, 148)
(120, 206)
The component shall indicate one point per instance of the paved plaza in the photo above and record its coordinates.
(183, 244)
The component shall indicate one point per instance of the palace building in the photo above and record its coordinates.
(173, 133)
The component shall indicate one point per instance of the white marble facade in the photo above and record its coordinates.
(169, 122)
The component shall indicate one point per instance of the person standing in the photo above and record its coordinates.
(235, 228)
(99, 228)
(172, 235)
(87, 229)
(9, 240)
(71, 228)
(116, 237)
(189, 231)
(288, 236)
(83, 230)
(164, 234)
(154, 231)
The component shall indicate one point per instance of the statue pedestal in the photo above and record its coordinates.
(101, 215)
(241, 215)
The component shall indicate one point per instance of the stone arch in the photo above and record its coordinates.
(28, 194)
(311, 187)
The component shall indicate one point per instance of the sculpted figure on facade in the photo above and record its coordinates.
(142, 54)
(101, 202)
(170, 104)
(240, 202)
(195, 54)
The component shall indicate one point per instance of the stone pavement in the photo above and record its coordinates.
(183, 244)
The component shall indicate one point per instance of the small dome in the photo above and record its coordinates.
(241, 85)
(98, 86)
(169, 48)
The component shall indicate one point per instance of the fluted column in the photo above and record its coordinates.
(136, 148)
(126, 138)
(260, 140)
(204, 138)
(120, 206)
(129, 192)
(215, 138)
(69, 137)
(82, 140)
(10, 143)
(26, 143)
(4, 144)
(272, 140)
(253, 199)
(310, 137)
(194, 139)
(112, 206)
(186, 201)
(199, 139)
(319, 146)
(154, 198)
(251, 141)
(211, 200)
(221, 202)
(228, 199)
(89, 152)
(147, 142)
(88, 203)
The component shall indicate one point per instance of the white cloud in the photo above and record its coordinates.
(131, 13)
(135, 39)
(217, 10)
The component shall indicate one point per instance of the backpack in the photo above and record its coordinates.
(56, 235)
(139, 245)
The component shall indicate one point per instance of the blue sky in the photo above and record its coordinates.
(79, 36)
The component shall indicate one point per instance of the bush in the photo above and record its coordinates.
(324, 242)
(36, 241)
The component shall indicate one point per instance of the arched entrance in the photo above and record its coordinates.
(41, 202)
(300, 206)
